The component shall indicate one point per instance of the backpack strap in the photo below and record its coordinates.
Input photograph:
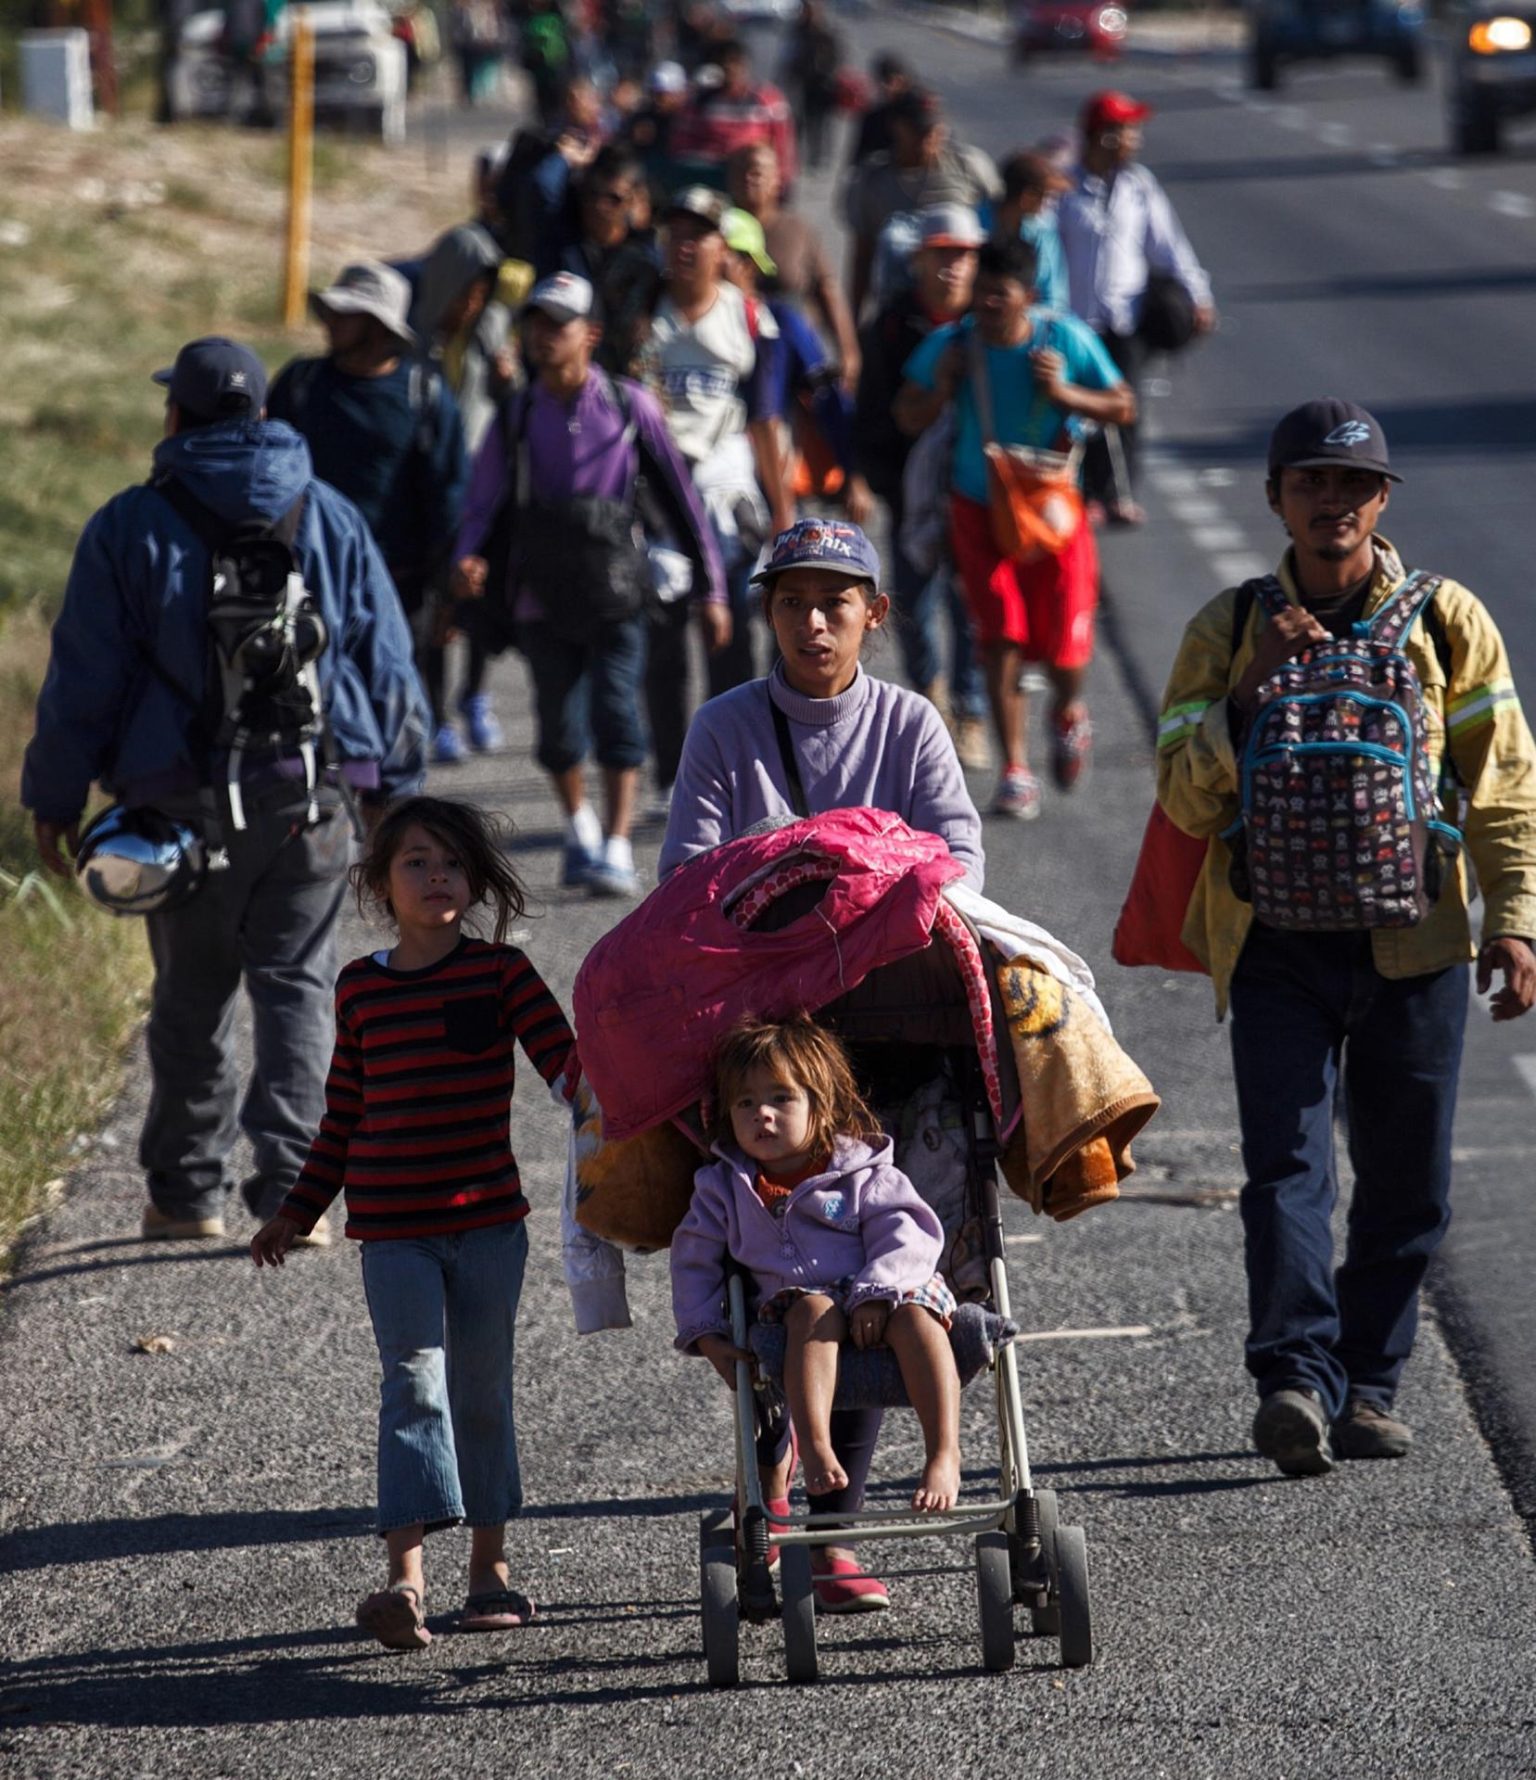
(1242, 610)
(1398, 613)
(425, 392)
(793, 782)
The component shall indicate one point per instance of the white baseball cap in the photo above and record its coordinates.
(562, 297)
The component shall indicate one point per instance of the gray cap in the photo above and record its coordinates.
(369, 288)
(564, 296)
(950, 225)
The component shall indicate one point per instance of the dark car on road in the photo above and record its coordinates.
(1091, 27)
(1287, 31)
(1492, 72)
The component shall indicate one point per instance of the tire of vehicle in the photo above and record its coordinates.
(797, 1598)
(994, 1601)
(717, 1597)
(1076, 1607)
(1045, 1622)
(1408, 65)
(1263, 70)
(1475, 128)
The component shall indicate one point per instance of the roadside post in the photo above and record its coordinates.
(301, 165)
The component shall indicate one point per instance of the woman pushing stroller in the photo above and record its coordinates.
(820, 733)
(838, 1241)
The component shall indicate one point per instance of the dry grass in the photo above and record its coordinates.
(114, 248)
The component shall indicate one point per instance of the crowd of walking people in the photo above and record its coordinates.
(629, 411)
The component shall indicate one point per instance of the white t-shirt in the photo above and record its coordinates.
(700, 370)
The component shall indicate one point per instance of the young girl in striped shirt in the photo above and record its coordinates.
(416, 1132)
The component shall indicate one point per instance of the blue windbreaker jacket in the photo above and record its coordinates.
(139, 586)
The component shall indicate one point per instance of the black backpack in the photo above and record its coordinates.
(266, 634)
(583, 558)
(518, 229)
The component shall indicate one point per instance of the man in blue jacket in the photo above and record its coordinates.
(126, 702)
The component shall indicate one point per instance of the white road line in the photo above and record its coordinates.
(1196, 509)
(1131, 1332)
(1219, 540)
(1169, 481)
(1447, 179)
(1335, 135)
(1217, 478)
(1235, 568)
(1511, 204)
(1525, 1068)
(1020, 1241)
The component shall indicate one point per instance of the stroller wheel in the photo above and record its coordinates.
(798, 1595)
(717, 1597)
(994, 1599)
(1076, 1611)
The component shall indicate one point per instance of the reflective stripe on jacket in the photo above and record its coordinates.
(1490, 749)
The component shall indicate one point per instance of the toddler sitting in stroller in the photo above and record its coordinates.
(806, 1198)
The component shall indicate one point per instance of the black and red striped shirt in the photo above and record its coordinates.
(418, 1099)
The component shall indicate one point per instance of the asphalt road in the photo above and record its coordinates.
(182, 1536)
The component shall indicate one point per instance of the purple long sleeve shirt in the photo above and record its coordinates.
(578, 448)
(876, 745)
(861, 1218)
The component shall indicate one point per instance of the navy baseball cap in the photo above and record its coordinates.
(213, 378)
(830, 544)
(1330, 432)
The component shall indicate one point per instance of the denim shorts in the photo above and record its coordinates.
(444, 1312)
(587, 695)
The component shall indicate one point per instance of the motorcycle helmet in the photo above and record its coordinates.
(138, 862)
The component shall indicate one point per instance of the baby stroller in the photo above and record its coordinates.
(913, 991)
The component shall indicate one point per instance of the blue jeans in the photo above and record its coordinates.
(920, 601)
(587, 695)
(1311, 1013)
(444, 1312)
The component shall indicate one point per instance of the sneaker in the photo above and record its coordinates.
(578, 864)
(318, 1237)
(480, 720)
(447, 749)
(971, 744)
(1017, 795)
(1368, 1431)
(607, 879)
(1071, 747)
(1126, 513)
(166, 1226)
(842, 1587)
(1291, 1429)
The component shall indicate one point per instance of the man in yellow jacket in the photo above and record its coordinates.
(1377, 1013)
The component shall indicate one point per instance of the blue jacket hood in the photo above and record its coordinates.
(242, 469)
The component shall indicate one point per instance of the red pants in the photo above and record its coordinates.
(1044, 607)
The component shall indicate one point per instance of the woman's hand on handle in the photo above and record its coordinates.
(724, 1355)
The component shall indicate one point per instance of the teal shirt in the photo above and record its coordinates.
(1022, 415)
(1050, 261)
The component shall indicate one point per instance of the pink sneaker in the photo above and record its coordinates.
(842, 1587)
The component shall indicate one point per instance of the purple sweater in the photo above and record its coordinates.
(861, 1219)
(578, 449)
(876, 745)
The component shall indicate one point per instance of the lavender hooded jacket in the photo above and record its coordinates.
(862, 1218)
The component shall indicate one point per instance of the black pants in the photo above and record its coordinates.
(1100, 482)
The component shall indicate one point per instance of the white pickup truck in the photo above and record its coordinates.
(359, 68)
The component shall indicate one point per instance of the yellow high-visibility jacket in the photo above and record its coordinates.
(1490, 745)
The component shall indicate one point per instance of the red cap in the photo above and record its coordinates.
(1107, 111)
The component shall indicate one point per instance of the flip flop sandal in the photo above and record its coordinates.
(394, 1617)
(497, 1610)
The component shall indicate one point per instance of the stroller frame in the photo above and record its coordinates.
(1024, 1555)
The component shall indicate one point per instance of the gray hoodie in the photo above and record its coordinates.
(454, 262)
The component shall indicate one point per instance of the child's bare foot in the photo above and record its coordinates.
(823, 1474)
(939, 1487)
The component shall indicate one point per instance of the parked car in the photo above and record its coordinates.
(359, 69)
(1492, 73)
(1282, 31)
(1088, 27)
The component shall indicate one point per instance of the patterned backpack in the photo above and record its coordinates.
(1341, 827)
